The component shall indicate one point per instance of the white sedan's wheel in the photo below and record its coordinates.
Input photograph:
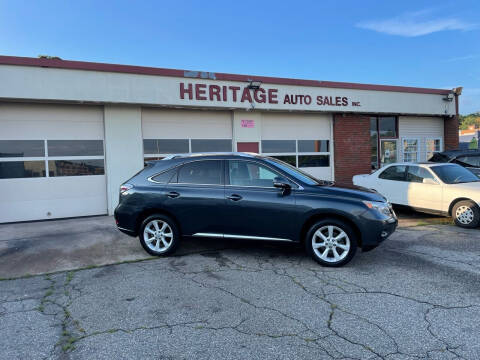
(466, 214)
(330, 243)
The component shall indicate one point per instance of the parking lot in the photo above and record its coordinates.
(416, 296)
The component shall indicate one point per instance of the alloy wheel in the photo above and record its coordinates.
(158, 236)
(330, 243)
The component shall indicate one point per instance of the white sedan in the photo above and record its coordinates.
(447, 189)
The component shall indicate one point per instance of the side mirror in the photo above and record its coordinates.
(281, 183)
(429, 181)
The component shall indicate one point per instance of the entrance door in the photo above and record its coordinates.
(254, 208)
(388, 153)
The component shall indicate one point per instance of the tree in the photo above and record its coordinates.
(467, 120)
(473, 143)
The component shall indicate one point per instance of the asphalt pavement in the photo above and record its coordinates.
(417, 296)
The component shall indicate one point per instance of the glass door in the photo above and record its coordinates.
(388, 152)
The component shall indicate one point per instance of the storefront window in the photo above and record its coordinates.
(410, 150)
(165, 146)
(387, 126)
(433, 146)
(289, 159)
(21, 169)
(299, 153)
(278, 146)
(49, 158)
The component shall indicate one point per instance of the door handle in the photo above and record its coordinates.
(173, 194)
(234, 197)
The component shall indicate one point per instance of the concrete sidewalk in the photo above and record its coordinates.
(58, 245)
(48, 246)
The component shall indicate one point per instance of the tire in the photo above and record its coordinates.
(466, 214)
(159, 235)
(330, 229)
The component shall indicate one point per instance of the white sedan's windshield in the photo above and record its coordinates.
(454, 174)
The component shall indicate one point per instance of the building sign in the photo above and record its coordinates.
(248, 123)
(237, 94)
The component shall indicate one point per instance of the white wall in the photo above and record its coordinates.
(123, 148)
(246, 134)
(23, 82)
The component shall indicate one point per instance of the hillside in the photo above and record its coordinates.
(471, 119)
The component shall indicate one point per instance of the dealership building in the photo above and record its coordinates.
(71, 132)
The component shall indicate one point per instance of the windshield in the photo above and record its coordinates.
(454, 174)
(296, 173)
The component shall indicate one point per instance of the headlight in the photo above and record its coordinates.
(381, 207)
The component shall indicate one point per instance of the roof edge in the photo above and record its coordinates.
(187, 74)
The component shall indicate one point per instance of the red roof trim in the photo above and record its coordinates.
(129, 69)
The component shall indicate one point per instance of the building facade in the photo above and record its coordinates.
(71, 132)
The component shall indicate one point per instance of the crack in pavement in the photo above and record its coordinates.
(330, 339)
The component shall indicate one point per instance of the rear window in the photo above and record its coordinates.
(166, 176)
(469, 161)
(206, 172)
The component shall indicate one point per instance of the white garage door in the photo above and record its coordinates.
(420, 137)
(51, 162)
(302, 140)
(183, 131)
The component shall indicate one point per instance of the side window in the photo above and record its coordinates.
(206, 172)
(245, 173)
(396, 173)
(166, 176)
(469, 160)
(417, 174)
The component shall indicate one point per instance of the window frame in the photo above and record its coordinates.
(180, 166)
(417, 151)
(46, 158)
(293, 183)
(296, 154)
(160, 156)
(433, 152)
(379, 138)
(412, 165)
(391, 166)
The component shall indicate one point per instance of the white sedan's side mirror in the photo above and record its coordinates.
(429, 181)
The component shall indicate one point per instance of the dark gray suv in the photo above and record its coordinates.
(247, 196)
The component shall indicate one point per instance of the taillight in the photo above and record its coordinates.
(125, 187)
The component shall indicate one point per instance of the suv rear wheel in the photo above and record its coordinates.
(331, 242)
(466, 214)
(159, 235)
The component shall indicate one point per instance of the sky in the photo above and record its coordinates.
(433, 44)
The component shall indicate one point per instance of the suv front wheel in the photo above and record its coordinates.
(159, 235)
(331, 242)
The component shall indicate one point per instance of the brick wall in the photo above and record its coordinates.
(451, 133)
(351, 136)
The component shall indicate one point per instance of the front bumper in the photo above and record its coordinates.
(378, 230)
